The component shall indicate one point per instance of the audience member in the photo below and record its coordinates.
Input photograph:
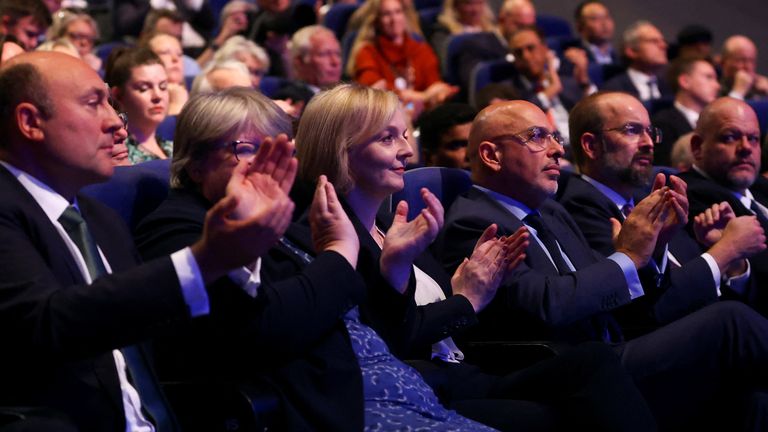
(62, 45)
(693, 41)
(694, 82)
(515, 15)
(368, 127)
(168, 48)
(138, 82)
(726, 153)
(537, 79)
(444, 135)
(72, 321)
(221, 75)
(495, 93)
(386, 55)
(739, 75)
(681, 157)
(233, 21)
(316, 58)
(129, 18)
(566, 291)
(81, 29)
(170, 22)
(645, 50)
(459, 17)
(240, 49)
(26, 20)
(595, 26)
(613, 146)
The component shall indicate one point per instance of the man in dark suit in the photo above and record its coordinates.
(726, 151)
(65, 319)
(614, 153)
(537, 79)
(566, 291)
(646, 51)
(694, 81)
(595, 27)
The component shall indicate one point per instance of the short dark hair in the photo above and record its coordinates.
(497, 90)
(585, 117)
(580, 9)
(434, 123)
(19, 83)
(682, 66)
(17, 9)
(539, 32)
(154, 15)
(122, 60)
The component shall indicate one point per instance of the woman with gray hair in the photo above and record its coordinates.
(81, 29)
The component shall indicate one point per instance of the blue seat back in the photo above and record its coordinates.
(167, 128)
(134, 191)
(269, 85)
(337, 17)
(486, 73)
(761, 109)
(445, 183)
(554, 26)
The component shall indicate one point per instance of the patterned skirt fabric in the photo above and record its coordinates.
(396, 397)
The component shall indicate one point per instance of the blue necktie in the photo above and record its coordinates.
(143, 379)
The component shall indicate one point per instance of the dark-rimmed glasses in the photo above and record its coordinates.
(535, 138)
(244, 149)
(635, 130)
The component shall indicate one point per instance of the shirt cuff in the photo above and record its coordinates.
(736, 95)
(191, 282)
(248, 280)
(630, 274)
(715, 271)
(739, 284)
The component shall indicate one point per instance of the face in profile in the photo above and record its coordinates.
(145, 96)
(452, 152)
(377, 165)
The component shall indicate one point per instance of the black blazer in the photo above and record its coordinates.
(569, 96)
(536, 302)
(682, 289)
(58, 332)
(673, 125)
(291, 335)
(621, 82)
(703, 192)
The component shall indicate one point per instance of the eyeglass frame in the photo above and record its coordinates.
(235, 143)
(529, 143)
(653, 132)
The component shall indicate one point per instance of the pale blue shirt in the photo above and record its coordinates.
(520, 211)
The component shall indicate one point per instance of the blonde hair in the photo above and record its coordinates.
(237, 44)
(63, 18)
(367, 32)
(210, 118)
(449, 17)
(336, 121)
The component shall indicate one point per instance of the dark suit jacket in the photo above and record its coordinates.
(290, 335)
(621, 82)
(569, 96)
(59, 332)
(703, 192)
(681, 291)
(673, 125)
(536, 302)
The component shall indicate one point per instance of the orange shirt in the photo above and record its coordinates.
(413, 60)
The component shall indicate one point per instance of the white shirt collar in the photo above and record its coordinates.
(640, 81)
(689, 114)
(609, 193)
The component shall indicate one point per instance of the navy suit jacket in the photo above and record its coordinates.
(681, 291)
(536, 302)
(673, 125)
(59, 332)
(703, 192)
(621, 82)
(290, 335)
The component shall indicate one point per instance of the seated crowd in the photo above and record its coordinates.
(613, 214)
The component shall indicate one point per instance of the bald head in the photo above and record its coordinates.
(739, 54)
(514, 15)
(726, 143)
(513, 152)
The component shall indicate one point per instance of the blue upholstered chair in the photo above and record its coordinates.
(445, 183)
(337, 17)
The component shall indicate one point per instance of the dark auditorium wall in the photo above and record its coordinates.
(723, 17)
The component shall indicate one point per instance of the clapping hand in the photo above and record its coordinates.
(708, 226)
(405, 240)
(331, 227)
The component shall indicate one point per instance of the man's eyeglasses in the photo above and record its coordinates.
(635, 130)
(732, 137)
(535, 138)
(244, 149)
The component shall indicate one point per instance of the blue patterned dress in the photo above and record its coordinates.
(395, 395)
